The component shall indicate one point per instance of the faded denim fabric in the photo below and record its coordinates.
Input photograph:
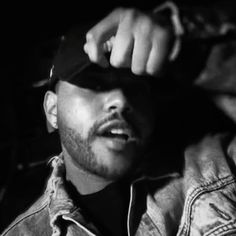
(199, 201)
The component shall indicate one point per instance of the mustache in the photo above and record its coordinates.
(112, 117)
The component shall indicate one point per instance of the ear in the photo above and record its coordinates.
(50, 108)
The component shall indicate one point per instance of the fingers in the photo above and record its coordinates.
(121, 53)
(95, 53)
(141, 50)
(98, 35)
(138, 42)
(158, 54)
(151, 48)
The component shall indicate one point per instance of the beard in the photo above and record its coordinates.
(80, 151)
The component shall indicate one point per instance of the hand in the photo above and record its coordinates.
(134, 39)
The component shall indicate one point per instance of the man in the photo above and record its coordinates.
(102, 100)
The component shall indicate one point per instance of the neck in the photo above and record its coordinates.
(84, 182)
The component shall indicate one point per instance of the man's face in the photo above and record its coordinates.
(105, 122)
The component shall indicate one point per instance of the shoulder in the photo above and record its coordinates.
(211, 160)
(202, 197)
(35, 221)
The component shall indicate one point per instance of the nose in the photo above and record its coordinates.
(117, 101)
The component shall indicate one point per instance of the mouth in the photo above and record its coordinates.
(118, 130)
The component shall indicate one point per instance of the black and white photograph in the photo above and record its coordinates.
(118, 118)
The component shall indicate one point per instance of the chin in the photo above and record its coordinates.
(113, 164)
(117, 165)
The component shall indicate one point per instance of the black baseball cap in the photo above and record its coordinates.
(70, 62)
(70, 58)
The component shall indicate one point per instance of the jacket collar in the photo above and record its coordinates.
(61, 205)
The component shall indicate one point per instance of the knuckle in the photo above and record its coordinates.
(90, 36)
(145, 24)
(125, 13)
(131, 13)
(145, 21)
(118, 10)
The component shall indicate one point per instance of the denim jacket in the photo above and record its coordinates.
(199, 201)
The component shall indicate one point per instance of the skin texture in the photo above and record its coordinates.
(136, 41)
(83, 108)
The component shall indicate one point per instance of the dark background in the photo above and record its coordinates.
(29, 32)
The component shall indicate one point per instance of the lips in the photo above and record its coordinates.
(117, 130)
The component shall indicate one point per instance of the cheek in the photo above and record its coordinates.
(78, 113)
